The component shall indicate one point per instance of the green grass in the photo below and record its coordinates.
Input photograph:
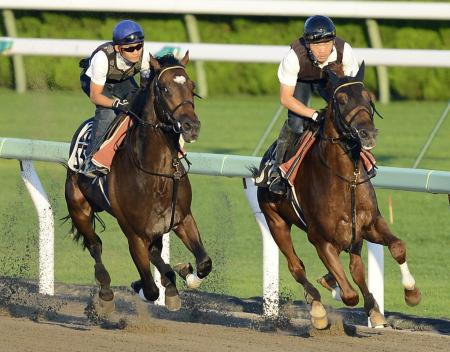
(229, 125)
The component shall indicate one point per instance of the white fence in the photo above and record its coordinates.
(223, 52)
(348, 9)
(214, 165)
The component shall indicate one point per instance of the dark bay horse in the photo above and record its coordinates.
(338, 201)
(148, 187)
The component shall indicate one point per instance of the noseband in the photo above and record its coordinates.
(344, 128)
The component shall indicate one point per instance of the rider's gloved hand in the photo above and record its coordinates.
(318, 116)
(120, 105)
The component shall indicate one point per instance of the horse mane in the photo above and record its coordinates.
(337, 68)
(139, 98)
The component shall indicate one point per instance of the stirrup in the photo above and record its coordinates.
(278, 186)
(91, 170)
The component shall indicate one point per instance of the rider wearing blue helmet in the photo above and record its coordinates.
(108, 80)
(300, 73)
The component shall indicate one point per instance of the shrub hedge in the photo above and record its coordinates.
(230, 78)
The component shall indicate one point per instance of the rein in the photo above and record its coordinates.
(173, 126)
(350, 134)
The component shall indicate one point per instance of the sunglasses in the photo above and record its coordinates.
(133, 48)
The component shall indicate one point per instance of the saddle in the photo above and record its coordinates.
(292, 160)
(105, 154)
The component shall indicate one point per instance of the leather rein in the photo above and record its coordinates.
(173, 126)
(347, 134)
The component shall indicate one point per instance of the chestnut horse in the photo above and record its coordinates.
(148, 187)
(338, 201)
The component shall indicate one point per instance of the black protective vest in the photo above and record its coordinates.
(114, 74)
(309, 71)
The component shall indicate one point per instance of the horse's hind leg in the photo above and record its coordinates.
(188, 232)
(357, 271)
(82, 215)
(281, 233)
(381, 234)
(168, 278)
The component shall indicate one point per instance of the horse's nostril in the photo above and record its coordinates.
(363, 134)
(187, 126)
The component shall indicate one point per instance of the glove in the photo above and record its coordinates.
(319, 116)
(120, 105)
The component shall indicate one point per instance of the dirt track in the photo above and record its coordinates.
(207, 322)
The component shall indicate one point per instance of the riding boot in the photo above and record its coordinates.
(287, 136)
(102, 120)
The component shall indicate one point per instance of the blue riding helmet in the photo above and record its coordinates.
(319, 29)
(127, 32)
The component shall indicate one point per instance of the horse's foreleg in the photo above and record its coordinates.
(381, 234)
(82, 214)
(188, 232)
(281, 233)
(330, 257)
(139, 250)
(168, 279)
(357, 271)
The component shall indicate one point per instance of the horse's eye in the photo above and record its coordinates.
(342, 98)
(165, 90)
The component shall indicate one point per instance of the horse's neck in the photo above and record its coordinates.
(153, 147)
(333, 153)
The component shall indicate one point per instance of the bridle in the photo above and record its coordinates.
(161, 102)
(171, 125)
(342, 124)
(348, 139)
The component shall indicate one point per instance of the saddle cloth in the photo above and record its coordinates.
(78, 153)
(104, 156)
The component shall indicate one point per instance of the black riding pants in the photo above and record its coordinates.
(105, 116)
(295, 124)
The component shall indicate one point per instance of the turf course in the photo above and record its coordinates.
(229, 125)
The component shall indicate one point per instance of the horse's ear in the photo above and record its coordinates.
(154, 64)
(360, 75)
(332, 77)
(184, 61)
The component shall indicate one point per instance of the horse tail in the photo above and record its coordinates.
(76, 234)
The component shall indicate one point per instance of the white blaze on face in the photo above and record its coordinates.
(180, 79)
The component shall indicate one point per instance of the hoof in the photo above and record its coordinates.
(106, 294)
(173, 303)
(137, 286)
(319, 317)
(105, 308)
(412, 297)
(377, 319)
(183, 269)
(328, 282)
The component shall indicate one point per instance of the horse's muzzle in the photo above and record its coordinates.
(190, 128)
(368, 138)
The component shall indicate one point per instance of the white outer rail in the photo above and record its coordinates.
(270, 254)
(224, 52)
(46, 227)
(347, 9)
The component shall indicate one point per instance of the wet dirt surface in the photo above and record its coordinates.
(207, 322)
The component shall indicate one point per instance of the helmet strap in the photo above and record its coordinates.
(312, 57)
